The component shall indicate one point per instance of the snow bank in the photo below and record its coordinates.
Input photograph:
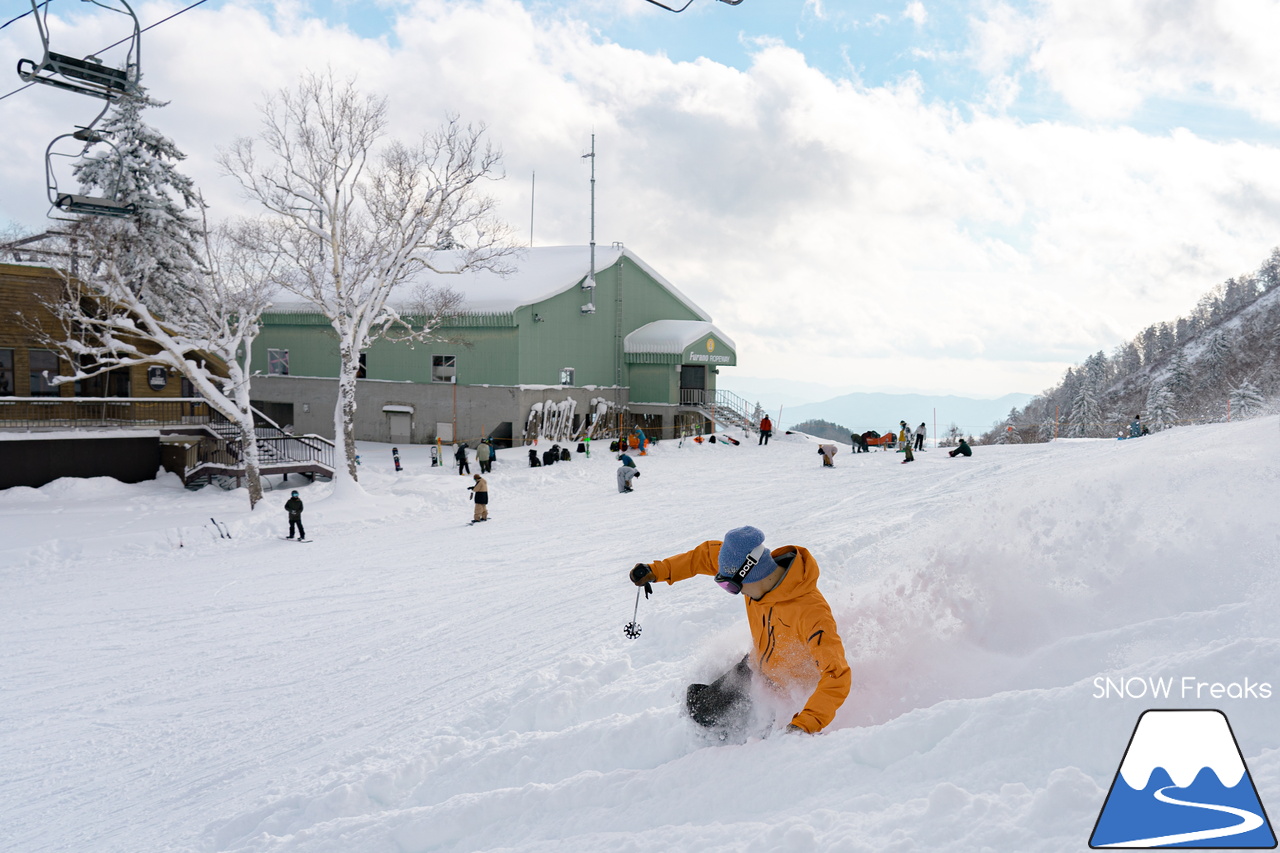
(412, 683)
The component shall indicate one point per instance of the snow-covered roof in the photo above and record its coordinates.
(671, 337)
(540, 273)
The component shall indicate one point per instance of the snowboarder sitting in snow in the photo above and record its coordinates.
(625, 476)
(794, 634)
(480, 494)
(962, 450)
(294, 507)
(534, 462)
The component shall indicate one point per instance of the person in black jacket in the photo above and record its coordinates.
(294, 507)
(460, 456)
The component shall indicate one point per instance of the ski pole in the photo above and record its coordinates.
(632, 628)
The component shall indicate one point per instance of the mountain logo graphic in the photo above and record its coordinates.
(1183, 783)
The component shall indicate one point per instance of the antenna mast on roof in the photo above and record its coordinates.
(589, 285)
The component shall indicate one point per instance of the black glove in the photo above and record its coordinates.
(643, 576)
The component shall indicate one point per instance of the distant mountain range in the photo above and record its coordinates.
(862, 411)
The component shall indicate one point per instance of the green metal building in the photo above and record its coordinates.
(544, 351)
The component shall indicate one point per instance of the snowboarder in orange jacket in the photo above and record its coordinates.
(796, 642)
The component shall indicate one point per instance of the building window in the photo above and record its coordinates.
(41, 361)
(6, 373)
(444, 368)
(277, 362)
(566, 376)
(362, 370)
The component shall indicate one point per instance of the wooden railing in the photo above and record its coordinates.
(100, 412)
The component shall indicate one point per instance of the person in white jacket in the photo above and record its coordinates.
(828, 452)
(920, 433)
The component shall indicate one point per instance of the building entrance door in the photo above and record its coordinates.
(693, 384)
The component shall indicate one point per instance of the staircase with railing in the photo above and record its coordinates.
(722, 408)
(279, 452)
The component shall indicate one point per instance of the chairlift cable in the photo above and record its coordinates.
(23, 15)
(156, 24)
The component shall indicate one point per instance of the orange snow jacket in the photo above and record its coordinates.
(796, 641)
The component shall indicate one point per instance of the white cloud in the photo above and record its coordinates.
(916, 13)
(1107, 57)
(831, 228)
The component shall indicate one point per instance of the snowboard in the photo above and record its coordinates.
(287, 539)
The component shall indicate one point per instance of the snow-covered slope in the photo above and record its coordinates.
(410, 683)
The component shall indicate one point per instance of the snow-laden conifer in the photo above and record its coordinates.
(1246, 400)
(1161, 406)
(157, 249)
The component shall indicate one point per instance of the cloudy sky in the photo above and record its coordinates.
(942, 196)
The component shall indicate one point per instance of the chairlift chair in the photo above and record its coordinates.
(87, 76)
(681, 9)
(83, 205)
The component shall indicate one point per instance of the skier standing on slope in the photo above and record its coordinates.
(796, 643)
(480, 494)
(293, 506)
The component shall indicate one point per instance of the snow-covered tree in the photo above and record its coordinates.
(107, 324)
(352, 223)
(1162, 411)
(1268, 274)
(153, 288)
(1217, 356)
(1048, 429)
(1246, 400)
(1086, 418)
(158, 247)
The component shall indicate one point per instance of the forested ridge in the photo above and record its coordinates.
(1220, 362)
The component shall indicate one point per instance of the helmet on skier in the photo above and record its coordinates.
(294, 493)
